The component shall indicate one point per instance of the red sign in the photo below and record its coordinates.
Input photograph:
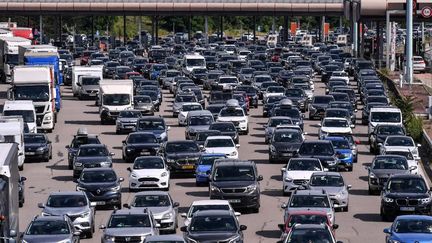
(426, 12)
(293, 28)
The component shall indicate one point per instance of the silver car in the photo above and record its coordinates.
(129, 225)
(76, 206)
(127, 120)
(164, 239)
(162, 207)
(50, 229)
(88, 87)
(333, 183)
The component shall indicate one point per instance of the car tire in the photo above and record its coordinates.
(256, 209)
(46, 158)
(285, 194)
(370, 191)
(70, 166)
(21, 168)
(384, 217)
(350, 168)
(89, 234)
(50, 155)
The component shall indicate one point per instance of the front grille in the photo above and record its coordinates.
(92, 165)
(128, 239)
(39, 119)
(148, 179)
(413, 202)
(299, 182)
(186, 161)
(39, 109)
(402, 202)
(233, 190)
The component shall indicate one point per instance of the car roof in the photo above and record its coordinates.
(233, 162)
(151, 118)
(326, 173)
(49, 218)
(309, 226)
(99, 145)
(159, 238)
(60, 193)
(200, 112)
(210, 202)
(219, 137)
(414, 217)
(131, 211)
(310, 192)
(405, 176)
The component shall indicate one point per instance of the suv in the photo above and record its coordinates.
(405, 193)
(321, 149)
(129, 225)
(180, 155)
(236, 115)
(82, 137)
(139, 144)
(197, 121)
(91, 156)
(155, 125)
(51, 229)
(318, 106)
(236, 181)
(76, 206)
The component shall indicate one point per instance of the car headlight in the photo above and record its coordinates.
(115, 189)
(272, 148)
(84, 215)
(164, 174)
(163, 135)
(130, 149)
(41, 149)
(388, 200)
(251, 188)
(233, 153)
(288, 179)
(78, 164)
(426, 200)
(214, 189)
(78, 188)
(242, 121)
(372, 175)
(48, 118)
(170, 160)
(167, 216)
(109, 237)
(106, 164)
(341, 194)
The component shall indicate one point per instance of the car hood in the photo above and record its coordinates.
(413, 237)
(344, 151)
(319, 105)
(331, 191)
(211, 237)
(292, 210)
(232, 184)
(220, 150)
(158, 212)
(93, 159)
(198, 128)
(282, 146)
(300, 174)
(380, 173)
(406, 195)
(65, 211)
(336, 129)
(203, 168)
(98, 185)
(231, 118)
(45, 238)
(128, 231)
(34, 145)
(90, 87)
(143, 145)
(149, 173)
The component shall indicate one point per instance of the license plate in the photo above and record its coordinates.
(287, 154)
(100, 203)
(145, 153)
(30, 153)
(147, 182)
(129, 126)
(234, 200)
(188, 167)
(407, 209)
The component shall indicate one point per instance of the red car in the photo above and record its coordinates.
(85, 57)
(131, 74)
(306, 217)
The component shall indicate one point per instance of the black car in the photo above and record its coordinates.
(109, 69)
(120, 72)
(226, 129)
(321, 149)
(405, 193)
(284, 144)
(81, 138)
(381, 132)
(139, 144)
(37, 146)
(155, 125)
(215, 109)
(181, 156)
(236, 181)
(298, 97)
(318, 106)
(201, 136)
(91, 156)
(101, 185)
(270, 103)
(214, 226)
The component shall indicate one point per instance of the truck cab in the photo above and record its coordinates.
(114, 96)
(24, 108)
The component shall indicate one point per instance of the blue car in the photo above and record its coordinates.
(204, 165)
(410, 228)
(343, 151)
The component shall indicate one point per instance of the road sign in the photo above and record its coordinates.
(426, 12)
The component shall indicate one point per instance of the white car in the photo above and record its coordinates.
(334, 125)
(184, 110)
(203, 205)
(412, 163)
(221, 145)
(340, 75)
(237, 116)
(397, 142)
(298, 171)
(149, 172)
(419, 64)
(273, 91)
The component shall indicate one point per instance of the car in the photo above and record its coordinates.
(284, 144)
(344, 105)
(419, 65)
(204, 166)
(82, 137)
(318, 106)
(197, 120)
(333, 125)
(180, 155)
(380, 133)
(297, 172)
(405, 152)
(144, 104)
(139, 144)
(180, 99)
(202, 205)
(76, 206)
(286, 108)
(272, 123)
(164, 239)
(127, 120)
(222, 225)
(321, 149)
(405, 193)
(226, 129)
(237, 116)
(162, 206)
(273, 91)
(155, 125)
(37, 146)
(302, 200)
(339, 113)
(153, 95)
(270, 102)
(299, 98)
(310, 233)
(396, 142)
(333, 183)
(120, 72)
(222, 145)
(236, 181)
(91, 156)
(149, 172)
(251, 93)
(384, 166)
(101, 185)
(407, 227)
(201, 136)
(51, 229)
(344, 152)
(184, 110)
(129, 225)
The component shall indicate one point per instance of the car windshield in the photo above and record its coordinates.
(129, 114)
(48, 227)
(234, 173)
(274, 99)
(316, 149)
(327, 180)
(98, 176)
(223, 127)
(231, 112)
(390, 163)
(141, 138)
(151, 125)
(277, 122)
(309, 201)
(293, 113)
(294, 93)
(181, 148)
(129, 221)
(34, 139)
(92, 151)
(200, 120)
(219, 143)
(195, 62)
(191, 107)
(414, 226)
(209, 160)
(37, 93)
(90, 81)
(399, 141)
(407, 185)
(142, 163)
(336, 113)
(185, 98)
(78, 141)
(335, 123)
(66, 201)
(144, 201)
(407, 154)
(322, 99)
(307, 219)
(221, 96)
(28, 115)
(310, 235)
(288, 137)
(390, 130)
(308, 165)
(116, 99)
(196, 208)
(383, 116)
(341, 144)
(275, 89)
(213, 224)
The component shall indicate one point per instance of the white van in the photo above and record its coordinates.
(307, 40)
(342, 40)
(78, 71)
(24, 108)
(272, 41)
(193, 61)
(384, 115)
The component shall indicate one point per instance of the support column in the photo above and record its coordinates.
(60, 31)
(422, 37)
(153, 31)
(286, 28)
(341, 23)
(254, 29)
(409, 42)
(157, 29)
(362, 42)
(206, 29)
(190, 28)
(319, 27)
(124, 30)
(379, 40)
(355, 39)
(273, 25)
(221, 28)
(41, 34)
(388, 39)
(139, 29)
(92, 30)
(323, 19)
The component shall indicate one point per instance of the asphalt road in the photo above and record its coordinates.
(361, 224)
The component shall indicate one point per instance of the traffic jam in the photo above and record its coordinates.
(302, 104)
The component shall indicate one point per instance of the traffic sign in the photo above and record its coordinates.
(426, 12)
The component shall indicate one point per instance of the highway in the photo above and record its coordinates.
(360, 224)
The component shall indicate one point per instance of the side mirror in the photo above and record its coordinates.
(129, 169)
(121, 179)
(157, 225)
(126, 205)
(260, 178)
(22, 178)
(243, 227)
(183, 228)
(283, 169)
(202, 147)
(183, 215)
(93, 204)
(102, 226)
(67, 146)
(349, 187)
(41, 205)
(335, 226)
(49, 142)
(237, 214)
(387, 231)
(237, 145)
(281, 227)
(111, 153)
(352, 125)
(355, 110)
(76, 233)
(284, 205)
(319, 124)
(412, 168)
(176, 204)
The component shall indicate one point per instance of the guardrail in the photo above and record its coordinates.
(425, 153)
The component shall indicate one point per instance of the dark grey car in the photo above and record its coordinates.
(44, 229)
(91, 156)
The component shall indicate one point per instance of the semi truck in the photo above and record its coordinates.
(24, 108)
(114, 96)
(9, 55)
(36, 83)
(9, 189)
(12, 131)
(79, 71)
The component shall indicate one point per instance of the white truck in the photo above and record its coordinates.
(36, 83)
(12, 131)
(24, 108)
(9, 55)
(78, 71)
(9, 192)
(114, 96)
(193, 61)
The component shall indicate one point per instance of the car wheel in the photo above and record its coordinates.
(46, 158)
(350, 168)
(50, 155)
(21, 167)
(256, 209)
(285, 194)
(384, 217)
(70, 166)
(89, 234)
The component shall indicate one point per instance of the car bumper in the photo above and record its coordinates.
(83, 224)
(282, 156)
(393, 209)
(237, 200)
(201, 178)
(113, 198)
(161, 183)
